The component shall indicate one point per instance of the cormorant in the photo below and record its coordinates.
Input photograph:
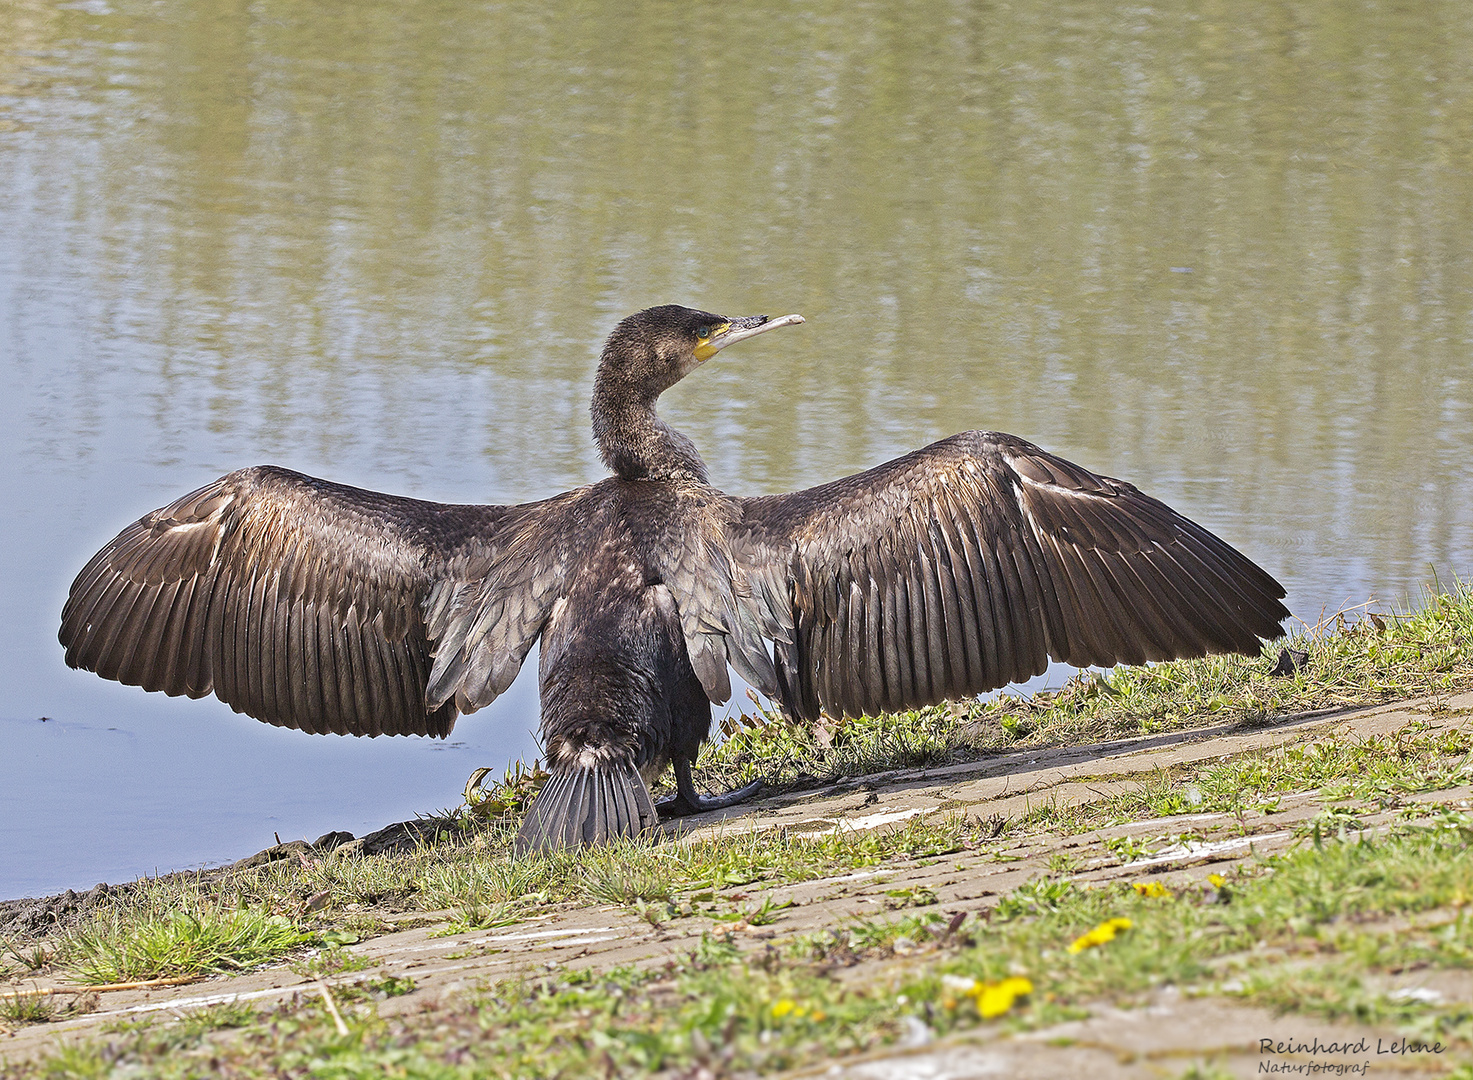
(953, 570)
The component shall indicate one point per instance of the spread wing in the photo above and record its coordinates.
(306, 604)
(966, 565)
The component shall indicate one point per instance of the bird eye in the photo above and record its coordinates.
(704, 332)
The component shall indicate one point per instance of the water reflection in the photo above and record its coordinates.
(1221, 253)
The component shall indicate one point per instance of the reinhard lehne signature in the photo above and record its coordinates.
(1358, 1048)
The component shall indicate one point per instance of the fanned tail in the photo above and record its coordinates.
(587, 805)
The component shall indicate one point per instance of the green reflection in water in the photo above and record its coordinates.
(1221, 249)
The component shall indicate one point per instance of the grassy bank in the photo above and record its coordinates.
(1309, 931)
(1321, 909)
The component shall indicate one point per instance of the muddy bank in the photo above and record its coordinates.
(31, 919)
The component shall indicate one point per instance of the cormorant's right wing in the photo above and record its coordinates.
(966, 565)
(314, 605)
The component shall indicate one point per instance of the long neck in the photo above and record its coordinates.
(634, 442)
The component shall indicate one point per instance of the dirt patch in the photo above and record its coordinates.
(28, 919)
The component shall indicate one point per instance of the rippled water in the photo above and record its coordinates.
(1224, 254)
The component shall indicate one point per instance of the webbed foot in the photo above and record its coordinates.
(687, 800)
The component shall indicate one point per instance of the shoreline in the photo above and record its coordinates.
(901, 859)
(929, 864)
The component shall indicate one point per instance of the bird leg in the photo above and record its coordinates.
(687, 800)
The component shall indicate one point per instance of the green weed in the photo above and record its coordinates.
(216, 1018)
(197, 940)
(27, 1009)
(333, 960)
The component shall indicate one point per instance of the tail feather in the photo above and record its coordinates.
(605, 816)
(631, 802)
(591, 805)
(596, 820)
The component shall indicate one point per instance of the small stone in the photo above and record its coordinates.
(272, 854)
(402, 836)
(1290, 661)
(348, 850)
(917, 1032)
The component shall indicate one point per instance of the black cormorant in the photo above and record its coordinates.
(953, 570)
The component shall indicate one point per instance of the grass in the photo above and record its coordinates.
(196, 925)
(1380, 771)
(36, 958)
(26, 1010)
(1323, 911)
(612, 876)
(707, 1012)
(333, 960)
(195, 940)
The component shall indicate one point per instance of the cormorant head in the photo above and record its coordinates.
(654, 349)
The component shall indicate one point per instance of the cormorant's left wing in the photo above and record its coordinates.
(966, 565)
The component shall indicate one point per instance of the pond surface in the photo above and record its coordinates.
(1222, 253)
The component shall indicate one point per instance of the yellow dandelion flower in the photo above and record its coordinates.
(1217, 881)
(782, 1007)
(1106, 932)
(819, 1014)
(1153, 889)
(997, 998)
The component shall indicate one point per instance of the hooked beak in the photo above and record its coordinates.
(739, 330)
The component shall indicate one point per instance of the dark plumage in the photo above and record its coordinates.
(953, 570)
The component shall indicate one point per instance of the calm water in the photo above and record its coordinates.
(1224, 253)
